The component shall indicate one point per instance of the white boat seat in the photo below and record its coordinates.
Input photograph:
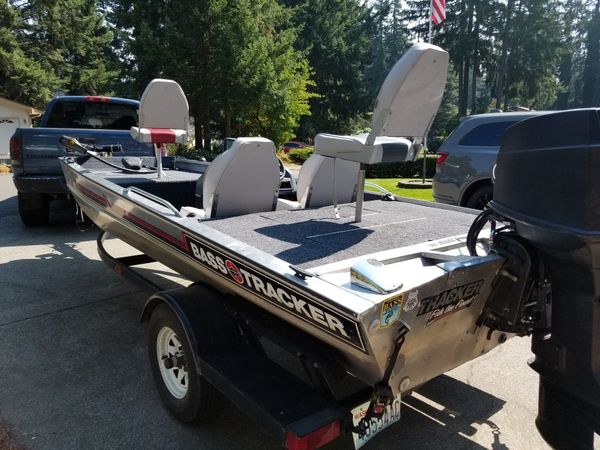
(315, 185)
(242, 180)
(407, 103)
(163, 114)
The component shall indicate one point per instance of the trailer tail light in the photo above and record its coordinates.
(315, 439)
(97, 98)
(15, 151)
(441, 158)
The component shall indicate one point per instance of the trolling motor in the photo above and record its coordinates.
(547, 200)
(72, 145)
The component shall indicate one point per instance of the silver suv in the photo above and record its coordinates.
(464, 168)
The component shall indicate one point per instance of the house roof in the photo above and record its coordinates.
(29, 109)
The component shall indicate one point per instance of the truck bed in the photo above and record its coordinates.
(313, 237)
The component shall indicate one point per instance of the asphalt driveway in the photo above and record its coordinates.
(74, 371)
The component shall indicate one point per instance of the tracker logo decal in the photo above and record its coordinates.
(450, 301)
(281, 295)
(234, 272)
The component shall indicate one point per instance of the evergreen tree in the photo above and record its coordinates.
(447, 116)
(390, 41)
(337, 36)
(590, 95)
(234, 59)
(69, 38)
(575, 14)
(531, 48)
(21, 77)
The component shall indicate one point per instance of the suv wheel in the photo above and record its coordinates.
(480, 197)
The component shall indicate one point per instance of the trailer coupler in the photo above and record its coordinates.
(382, 392)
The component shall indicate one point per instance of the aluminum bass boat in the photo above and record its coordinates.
(383, 291)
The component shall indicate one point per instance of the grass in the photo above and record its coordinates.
(391, 184)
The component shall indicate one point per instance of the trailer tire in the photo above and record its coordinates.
(184, 392)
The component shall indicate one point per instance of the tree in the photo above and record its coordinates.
(21, 78)
(390, 41)
(575, 14)
(591, 73)
(69, 39)
(337, 37)
(531, 49)
(234, 59)
(447, 116)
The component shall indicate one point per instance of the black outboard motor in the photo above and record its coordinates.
(548, 187)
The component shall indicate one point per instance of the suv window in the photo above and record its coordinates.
(100, 115)
(486, 135)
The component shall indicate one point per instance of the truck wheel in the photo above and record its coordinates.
(480, 197)
(34, 209)
(183, 391)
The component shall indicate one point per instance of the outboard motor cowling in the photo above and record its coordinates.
(548, 186)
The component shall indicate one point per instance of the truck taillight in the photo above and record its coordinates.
(97, 98)
(15, 151)
(441, 158)
(316, 439)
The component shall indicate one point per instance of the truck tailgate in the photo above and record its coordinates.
(40, 147)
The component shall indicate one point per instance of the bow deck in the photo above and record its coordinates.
(314, 237)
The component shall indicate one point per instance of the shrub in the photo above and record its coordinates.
(188, 151)
(402, 170)
(299, 155)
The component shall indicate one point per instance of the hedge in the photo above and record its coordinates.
(402, 170)
(299, 155)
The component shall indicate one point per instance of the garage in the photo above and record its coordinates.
(13, 115)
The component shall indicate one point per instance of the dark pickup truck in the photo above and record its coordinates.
(100, 121)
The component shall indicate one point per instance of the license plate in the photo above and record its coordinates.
(390, 416)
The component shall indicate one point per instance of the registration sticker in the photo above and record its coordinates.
(390, 311)
(390, 416)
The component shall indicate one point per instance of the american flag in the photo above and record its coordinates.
(438, 11)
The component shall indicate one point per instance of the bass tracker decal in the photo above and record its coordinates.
(450, 301)
(276, 293)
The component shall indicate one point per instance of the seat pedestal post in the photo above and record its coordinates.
(158, 154)
(360, 193)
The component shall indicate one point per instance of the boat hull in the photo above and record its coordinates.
(440, 306)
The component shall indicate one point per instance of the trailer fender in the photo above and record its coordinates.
(208, 326)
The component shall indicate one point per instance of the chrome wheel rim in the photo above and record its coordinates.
(173, 370)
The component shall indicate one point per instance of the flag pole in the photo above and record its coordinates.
(425, 137)
(430, 21)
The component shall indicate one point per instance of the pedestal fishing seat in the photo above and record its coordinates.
(407, 103)
(163, 116)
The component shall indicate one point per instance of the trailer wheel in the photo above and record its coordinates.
(183, 391)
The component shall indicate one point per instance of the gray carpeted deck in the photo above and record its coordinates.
(312, 237)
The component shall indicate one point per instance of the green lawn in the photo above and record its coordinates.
(391, 185)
